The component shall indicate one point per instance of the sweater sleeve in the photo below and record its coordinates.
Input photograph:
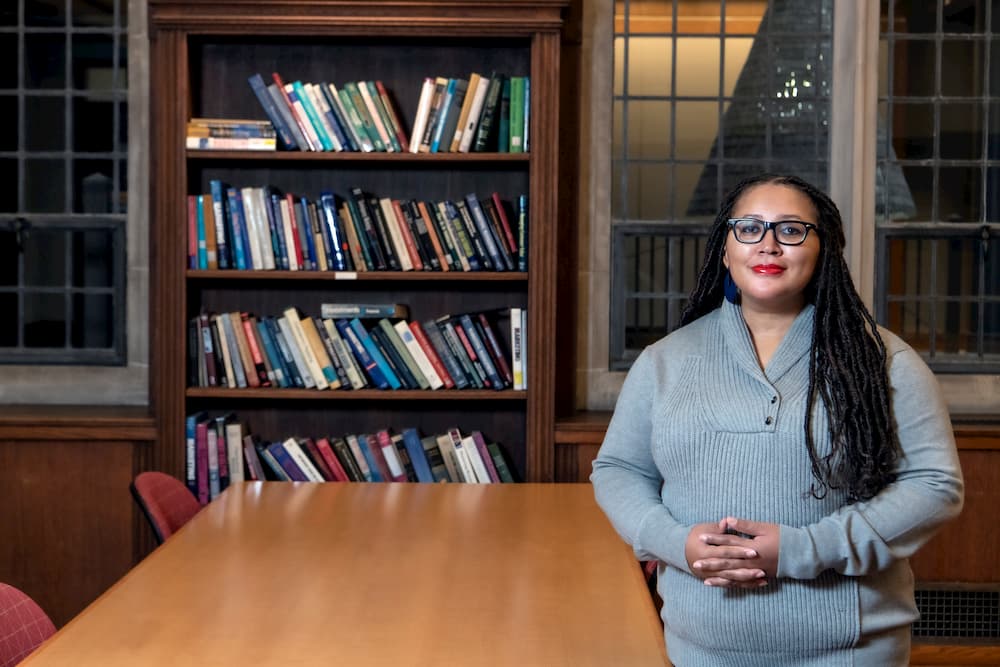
(866, 537)
(626, 480)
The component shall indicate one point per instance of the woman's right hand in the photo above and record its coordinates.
(724, 566)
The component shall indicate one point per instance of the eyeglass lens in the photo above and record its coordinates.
(788, 232)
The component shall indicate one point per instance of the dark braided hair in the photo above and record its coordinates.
(847, 363)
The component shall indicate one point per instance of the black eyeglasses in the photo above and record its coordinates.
(786, 232)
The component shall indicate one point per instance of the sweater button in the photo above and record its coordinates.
(768, 421)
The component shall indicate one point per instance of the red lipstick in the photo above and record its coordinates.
(768, 269)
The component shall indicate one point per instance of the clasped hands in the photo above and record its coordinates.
(733, 553)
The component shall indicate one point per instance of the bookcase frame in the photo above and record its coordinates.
(178, 30)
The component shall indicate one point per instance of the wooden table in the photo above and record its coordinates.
(378, 574)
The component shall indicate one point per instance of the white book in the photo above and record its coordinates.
(293, 347)
(392, 222)
(354, 373)
(266, 244)
(227, 360)
(313, 366)
(423, 111)
(383, 134)
(524, 348)
(482, 475)
(469, 131)
(252, 222)
(234, 450)
(390, 455)
(286, 226)
(301, 113)
(294, 450)
(321, 106)
(517, 347)
(359, 457)
(418, 354)
(462, 460)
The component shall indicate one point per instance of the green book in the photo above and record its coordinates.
(517, 114)
(354, 94)
(393, 337)
(503, 470)
(354, 118)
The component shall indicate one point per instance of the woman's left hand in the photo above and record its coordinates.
(764, 538)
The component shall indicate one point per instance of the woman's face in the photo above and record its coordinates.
(772, 276)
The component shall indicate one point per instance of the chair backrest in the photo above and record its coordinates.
(23, 625)
(167, 503)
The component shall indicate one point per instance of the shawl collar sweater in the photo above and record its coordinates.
(701, 431)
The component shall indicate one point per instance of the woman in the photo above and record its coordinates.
(779, 454)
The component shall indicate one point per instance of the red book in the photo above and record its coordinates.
(293, 220)
(391, 110)
(316, 456)
(505, 223)
(331, 460)
(201, 459)
(192, 231)
(432, 355)
(493, 347)
(432, 233)
(484, 453)
(371, 443)
(258, 359)
(411, 243)
(397, 472)
(291, 108)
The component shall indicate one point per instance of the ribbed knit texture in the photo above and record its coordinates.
(726, 439)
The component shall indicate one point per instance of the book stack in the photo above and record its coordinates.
(319, 116)
(220, 450)
(481, 113)
(230, 134)
(341, 350)
(262, 228)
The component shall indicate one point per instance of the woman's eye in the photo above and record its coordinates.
(750, 228)
(791, 231)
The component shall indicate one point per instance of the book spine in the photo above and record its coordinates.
(485, 456)
(243, 348)
(284, 459)
(421, 235)
(393, 464)
(223, 250)
(417, 330)
(482, 354)
(423, 111)
(340, 366)
(281, 374)
(350, 97)
(394, 251)
(418, 458)
(231, 143)
(396, 365)
(522, 233)
(366, 230)
(291, 368)
(259, 88)
(355, 375)
(333, 99)
(469, 225)
(445, 353)
(286, 115)
(333, 464)
(373, 351)
(369, 95)
(416, 255)
(354, 445)
(361, 353)
(401, 350)
(298, 354)
(418, 355)
(485, 133)
(467, 251)
(347, 460)
(485, 230)
(496, 350)
(300, 95)
(391, 310)
(255, 353)
(308, 128)
(309, 143)
(394, 120)
(328, 208)
(460, 352)
(235, 355)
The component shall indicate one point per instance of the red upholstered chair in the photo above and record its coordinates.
(23, 626)
(167, 503)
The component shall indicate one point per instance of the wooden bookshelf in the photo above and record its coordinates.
(201, 56)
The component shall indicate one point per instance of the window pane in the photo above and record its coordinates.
(8, 325)
(93, 125)
(966, 16)
(913, 68)
(44, 320)
(93, 64)
(700, 121)
(45, 13)
(648, 130)
(619, 82)
(920, 181)
(961, 131)
(991, 326)
(94, 188)
(8, 259)
(46, 61)
(696, 188)
(87, 13)
(961, 194)
(737, 50)
(993, 198)
(916, 17)
(649, 65)
(9, 178)
(93, 258)
(8, 111)
(92, 322)
(44, 258)
(9, 56)
(959, 75)
(45, 123)
(913, 131)
(649, 191)
(44, 181)
(700, 74)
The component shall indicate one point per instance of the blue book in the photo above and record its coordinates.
(418, 458)
(241, 242)
(291, 367)
(455, 370)
(364, 442)
(396, 364)
(299, 94)
(360, 353)
(190, 451)
(271, 350)
(200, 230)
(459, 232)
(526, 113)
(306, 234)
(223, 230)
(339, 247)
(273, 200)
(362, 334)
(497, 253)
(479, 346)
(287, 463)
(342, 125)
(447, 107)
(259, 88)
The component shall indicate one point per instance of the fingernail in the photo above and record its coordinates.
(698, 564)
(703, 538)
(751, 553)
(759, 574)
(709, 583)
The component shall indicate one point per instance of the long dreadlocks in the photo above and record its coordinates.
(847, 363)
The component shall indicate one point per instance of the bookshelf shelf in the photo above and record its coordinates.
(202, 55)
(349, 156)
(365, 276)
(359, 394)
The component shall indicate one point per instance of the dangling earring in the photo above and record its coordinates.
(730, 289)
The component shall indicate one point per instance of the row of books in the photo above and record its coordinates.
(230, 134)
(263, 228)
(479, 113)
(220, 450)
(338, 350)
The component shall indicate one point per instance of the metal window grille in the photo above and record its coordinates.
(755, 88)
(62, 219)
(938, 273)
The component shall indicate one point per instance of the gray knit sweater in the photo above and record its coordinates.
(700, 433)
